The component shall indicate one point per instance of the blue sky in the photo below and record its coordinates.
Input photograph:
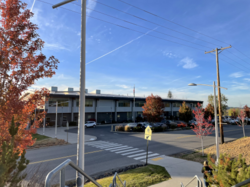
(117, 58)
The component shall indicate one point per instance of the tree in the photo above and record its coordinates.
(228, 172)
(12, 165)
(170, 95)
(203, 127)
(153, 108)
(234, 112)
(185, 113)
(247, 111)
(21, 64)
(242, 121)
(209, 111)
(224, 100)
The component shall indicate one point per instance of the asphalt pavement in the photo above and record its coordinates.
(109, 151)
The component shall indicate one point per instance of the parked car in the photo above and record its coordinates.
(181, 124)
(90, 124)
(144, 125)
(192, 123)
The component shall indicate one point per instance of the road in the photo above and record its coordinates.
(114, 150)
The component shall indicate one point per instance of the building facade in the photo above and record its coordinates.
(104, 108)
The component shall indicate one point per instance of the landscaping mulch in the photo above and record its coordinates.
(48, 142)
(234, 149)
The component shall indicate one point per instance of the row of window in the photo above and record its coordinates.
(89, 103)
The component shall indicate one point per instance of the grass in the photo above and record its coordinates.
(39, 137)
(139, 177)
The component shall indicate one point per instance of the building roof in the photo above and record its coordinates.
(75, 94)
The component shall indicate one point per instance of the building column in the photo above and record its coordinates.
(96, 110)
(172, 109)
(116, 110)
(72, 109)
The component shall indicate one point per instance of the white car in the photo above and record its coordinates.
(90, 124)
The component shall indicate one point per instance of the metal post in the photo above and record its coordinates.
(81, 118)
(62, 178)
(134, 105)
(62, 113)
(67, 131)
(44, 115)
(147, 154)
(56, 120)
(216, 126)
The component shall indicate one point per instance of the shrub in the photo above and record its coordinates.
(164, 127)
(127, 129)
(173, 126)
(157, 129)
(229, 171)
(73, 123)
(119, 128)
(137, 129)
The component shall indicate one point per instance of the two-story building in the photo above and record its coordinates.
(103, 107)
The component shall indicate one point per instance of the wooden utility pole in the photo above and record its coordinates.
(218, 85)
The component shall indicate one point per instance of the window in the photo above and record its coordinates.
(176, 104)
(124, 104)
(166, 104)
(139, 103)
(88, 103)
(61, 102)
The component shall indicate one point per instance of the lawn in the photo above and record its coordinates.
(139, 177)
(39, 137)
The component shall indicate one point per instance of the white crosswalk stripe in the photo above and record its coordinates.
(124, 150)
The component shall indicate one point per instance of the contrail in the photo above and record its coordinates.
(121, 46)
(32, 6)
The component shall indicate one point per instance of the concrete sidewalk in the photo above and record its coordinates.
(61, 134)
(179, 169)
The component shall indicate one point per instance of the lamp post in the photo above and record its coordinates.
(81, 116)
(215, 117)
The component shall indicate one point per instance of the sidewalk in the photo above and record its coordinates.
(179, 169)
(61, 134)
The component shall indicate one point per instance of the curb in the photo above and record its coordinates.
(144, 132)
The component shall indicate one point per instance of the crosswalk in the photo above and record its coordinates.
(124, 150)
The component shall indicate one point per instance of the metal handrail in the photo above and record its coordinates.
(198, 182)
(61, 168)
(114, 184)
(242, 183)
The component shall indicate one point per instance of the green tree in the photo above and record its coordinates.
(224, 100)
(229, 171)
(12, 163)
(170, 95)
(185, 113)
(234, 112)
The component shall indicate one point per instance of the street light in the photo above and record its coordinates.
(81, 116)
(215, 117)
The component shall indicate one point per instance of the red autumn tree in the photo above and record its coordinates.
(21, 64)
(247, 111)
(203, 127)
(153, 108)
(209, 111)
(241, 123)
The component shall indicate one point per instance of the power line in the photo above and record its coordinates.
(146, 27)
(153, 22)
(239, 58)
(170, 21)
(128, 28)
(137, 31)
(233, 60)
(178, 24)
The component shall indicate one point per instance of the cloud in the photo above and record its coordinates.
(122, 86)
(169, 54)
(90, 5)
(55, 46)
(247, 79)
(198, 77)
(236, 75)
(188, 63)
